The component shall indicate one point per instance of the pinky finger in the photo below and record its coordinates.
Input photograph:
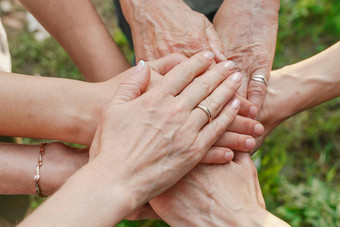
(218, 155)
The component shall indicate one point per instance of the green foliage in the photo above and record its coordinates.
(300, 161)
(146, 223)
(306, 27)
(310, 203)
(45, 58)
(298, 168)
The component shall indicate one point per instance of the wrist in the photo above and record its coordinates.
(311, 82)
(135, 10)
(90, 99)
(86, 193)
(111, 190)
(60, 163)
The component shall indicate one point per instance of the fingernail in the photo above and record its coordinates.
(222, 57)
(229, 156)
(253, 111)
(230, 65)
(236, 104)
(209, 55)
(237, 77)
(258, 129)
(250, 143)
(140, 66)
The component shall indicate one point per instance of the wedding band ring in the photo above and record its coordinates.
(260, 78)
(205, 109)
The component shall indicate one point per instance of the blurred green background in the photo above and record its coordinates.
(299, 162)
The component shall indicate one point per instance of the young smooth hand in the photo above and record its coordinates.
(157, 138)
(146, 142)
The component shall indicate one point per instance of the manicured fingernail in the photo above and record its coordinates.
(237, 77)
(253, 111)
(209, 55)
(236, 104)
(140, 66)
(258, 129)
(250, 143)
(222, 57)
(229, 156)
(230, 65)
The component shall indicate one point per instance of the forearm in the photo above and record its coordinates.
(134, 10)
(86, 199)
(17, 167)
(78, 28)
(51, 108)
(311, 82)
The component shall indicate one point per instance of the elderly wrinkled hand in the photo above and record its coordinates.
(160, 28)
(248, 31)
(223, 195)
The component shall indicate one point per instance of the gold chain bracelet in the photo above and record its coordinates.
(38, 191)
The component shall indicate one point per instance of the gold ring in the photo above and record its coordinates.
(205, 109)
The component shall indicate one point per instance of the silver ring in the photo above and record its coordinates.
(205, 109)
(260, 78)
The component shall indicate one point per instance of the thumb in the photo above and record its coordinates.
(134, 85)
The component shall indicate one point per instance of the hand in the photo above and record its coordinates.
(240, 135)
(298, 87)
(248, 30)
(168, 136)
(160, 28)
(60, 162)
(219, 195)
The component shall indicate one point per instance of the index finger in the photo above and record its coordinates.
(167, 63)
(182, 75)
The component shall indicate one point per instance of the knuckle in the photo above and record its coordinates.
(218, 127)
(229, 117)
(212, 104)
(198, 44)
(257, 90)
(262, 61)
(204, 85)
(220, 71)
(184, 72)
(171, 113)
(215, 155)
(201, 61)
(179, 57)
(249, 126)
(238, 143)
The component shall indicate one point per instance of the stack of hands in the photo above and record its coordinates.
(135, 158)
(171, 138)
